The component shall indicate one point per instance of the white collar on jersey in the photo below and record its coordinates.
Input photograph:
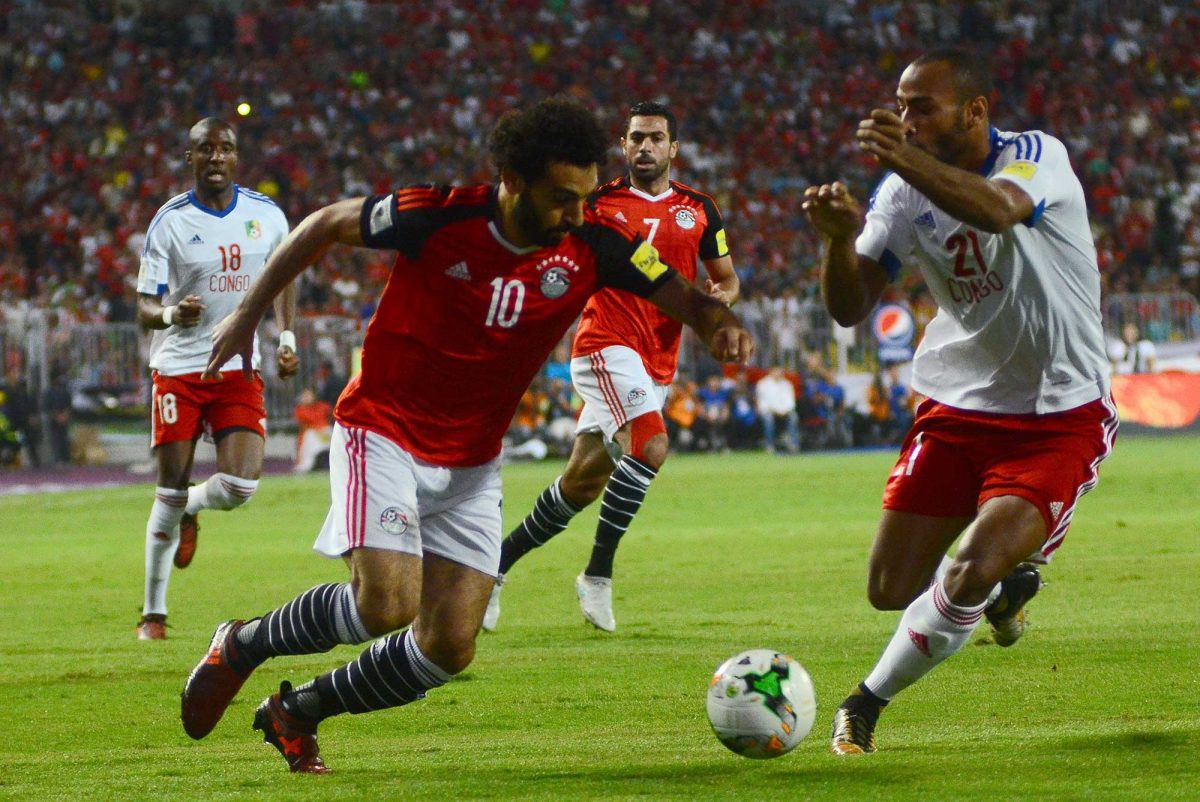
(646, 195)
(495, 229)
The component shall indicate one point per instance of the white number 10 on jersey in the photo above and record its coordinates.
(507, 298)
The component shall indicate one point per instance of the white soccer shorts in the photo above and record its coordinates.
(615, 389)
(382, 497)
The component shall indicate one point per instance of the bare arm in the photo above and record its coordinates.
(722, 283)
(308, 242)
(992, 206)
(716, 326)
(150, 312)
(850, 284)
(286, 360)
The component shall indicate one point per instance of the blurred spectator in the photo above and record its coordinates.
(745, 428)
(776, 397)
(901, 401)
(680, 413)
(829, 401)
(880, 425)
(713, 419)
(57, 403)
(329, 383)
(21, 411)
(561, 412)
(1134, 353)
(314, 417)
(559, 364)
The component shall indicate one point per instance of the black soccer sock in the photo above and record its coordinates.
(390, 673)
(623, 497)
(313, 622)
(550, 515)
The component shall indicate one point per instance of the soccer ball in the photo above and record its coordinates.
(761, 703)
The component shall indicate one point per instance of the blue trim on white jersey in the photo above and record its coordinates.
(879, 186)
(1029, 148)
(224, 212)
(258, 196)
(162, 289)
(178, 202)
(998, 145)
(1036, 214)
(891, 263)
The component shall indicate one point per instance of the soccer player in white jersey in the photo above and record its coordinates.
(202, 252)
(1018, 416)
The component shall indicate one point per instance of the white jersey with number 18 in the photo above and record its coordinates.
(193, 250)
(1018, 325)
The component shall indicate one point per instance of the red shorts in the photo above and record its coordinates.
(183, 407)
(954, 460)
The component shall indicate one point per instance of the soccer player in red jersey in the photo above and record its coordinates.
(623, 362)
(486, 281)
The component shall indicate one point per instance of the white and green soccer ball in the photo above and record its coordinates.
(761, 703)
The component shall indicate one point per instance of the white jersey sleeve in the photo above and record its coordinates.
(1035, 162)
(154, 272)
(887, 236)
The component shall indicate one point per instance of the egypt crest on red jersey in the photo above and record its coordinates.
(467, 319)
(685, 227)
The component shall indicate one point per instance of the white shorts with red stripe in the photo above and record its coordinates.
(615, 389)
(385, 498)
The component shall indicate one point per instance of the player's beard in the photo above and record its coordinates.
(647, 174)
(531, 227)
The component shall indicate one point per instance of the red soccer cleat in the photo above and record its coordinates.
(152, 627)
(189, 529)
(213, 683)
(294, 737)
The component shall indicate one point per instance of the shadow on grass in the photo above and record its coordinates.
(1138, 741)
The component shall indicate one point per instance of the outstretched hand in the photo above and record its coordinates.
(832, 210)
(713, 290)
(232, 336)
(731, 343)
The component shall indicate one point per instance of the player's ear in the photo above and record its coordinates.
(674, 149)
(513, 183)
(977, 111)
(187, 156)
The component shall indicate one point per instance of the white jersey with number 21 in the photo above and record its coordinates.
(194, 250)
(1018, 325)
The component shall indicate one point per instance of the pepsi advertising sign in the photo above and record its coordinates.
(894, 328)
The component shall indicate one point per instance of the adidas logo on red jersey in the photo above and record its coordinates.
(459, 270)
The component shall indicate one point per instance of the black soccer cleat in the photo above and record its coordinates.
(1007, 614)
(854, 723)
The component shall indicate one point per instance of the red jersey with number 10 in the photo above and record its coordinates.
(467, 319)
(685, 226)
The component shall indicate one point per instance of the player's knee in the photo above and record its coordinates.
(581, 488)
(451, 648)
(888, 597)
(648, 439)
(655, 452)
(381, 609)
(229, 492)
(967, 580)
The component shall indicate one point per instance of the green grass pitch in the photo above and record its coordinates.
(1100, 700)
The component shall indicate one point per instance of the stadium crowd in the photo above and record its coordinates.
(350, 97)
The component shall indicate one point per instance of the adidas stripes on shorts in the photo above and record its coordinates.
(383, 497)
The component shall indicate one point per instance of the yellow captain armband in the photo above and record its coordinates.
(646, 260)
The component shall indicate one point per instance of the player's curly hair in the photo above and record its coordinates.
(556, 129)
